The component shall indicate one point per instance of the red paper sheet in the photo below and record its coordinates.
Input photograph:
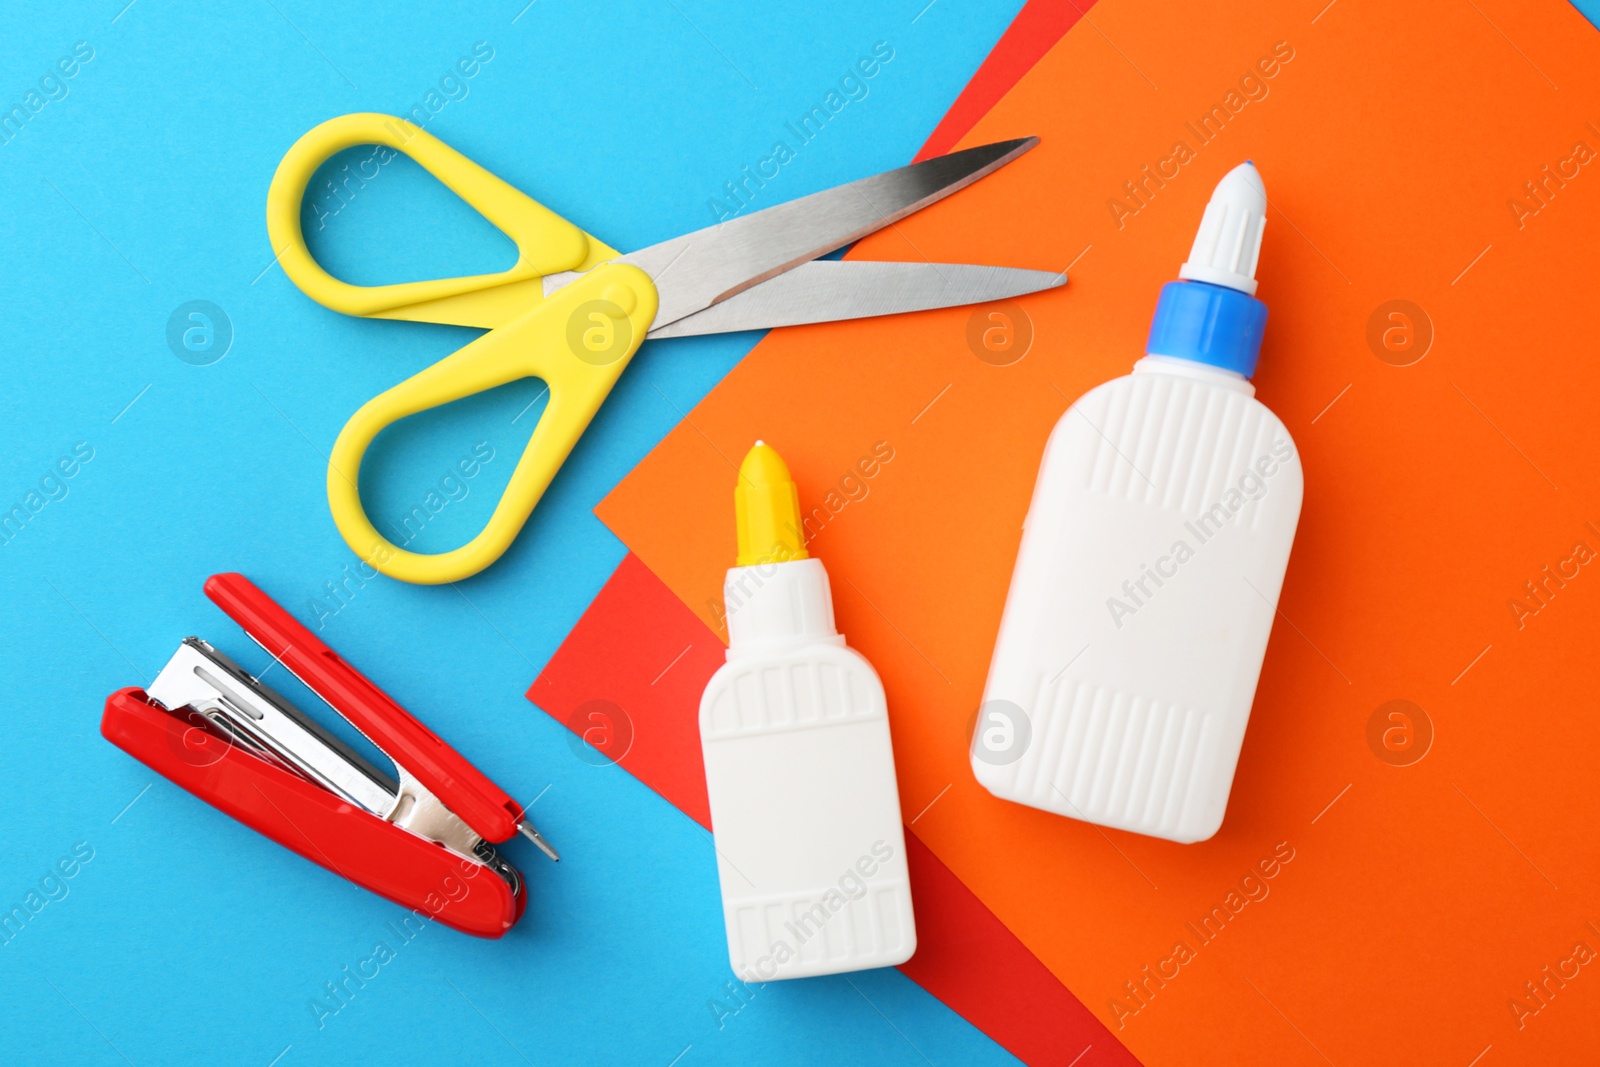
(1035, 30)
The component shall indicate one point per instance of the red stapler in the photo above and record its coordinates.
(422, 837)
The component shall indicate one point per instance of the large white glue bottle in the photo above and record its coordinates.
(1151, 561)
(805, 813)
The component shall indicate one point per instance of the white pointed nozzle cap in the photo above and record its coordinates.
(1229, 242)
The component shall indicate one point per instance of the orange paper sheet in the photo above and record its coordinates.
(1417, 889)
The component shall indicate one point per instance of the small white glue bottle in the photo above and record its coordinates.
(794, 728)
(1151, 561)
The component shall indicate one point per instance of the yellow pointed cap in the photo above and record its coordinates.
(767, 506)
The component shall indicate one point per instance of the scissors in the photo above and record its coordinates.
(573, 311)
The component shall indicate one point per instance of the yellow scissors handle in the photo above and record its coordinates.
(578, 340)
(546, 242)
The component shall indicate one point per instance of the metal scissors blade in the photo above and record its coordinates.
(699, 269)
(828, 290)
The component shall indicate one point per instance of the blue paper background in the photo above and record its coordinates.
(187, 939)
